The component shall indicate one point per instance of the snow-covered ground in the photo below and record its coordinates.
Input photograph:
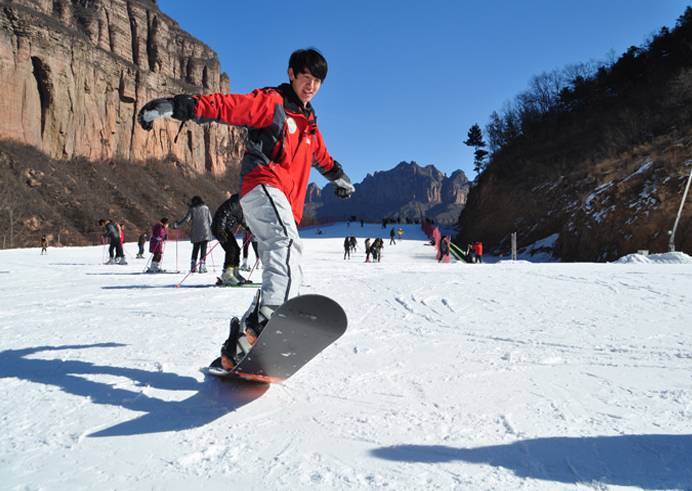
(450, 376)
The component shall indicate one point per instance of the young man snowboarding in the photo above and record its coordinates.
(283, 143)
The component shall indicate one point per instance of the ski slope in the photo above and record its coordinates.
(450, 376)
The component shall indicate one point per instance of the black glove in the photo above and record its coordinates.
(344, 188)
(180, 107)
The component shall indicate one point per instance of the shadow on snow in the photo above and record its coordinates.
(646, 461)
(213, 398)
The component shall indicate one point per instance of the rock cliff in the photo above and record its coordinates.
(76, 72)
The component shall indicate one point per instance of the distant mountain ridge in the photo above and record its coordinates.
(409, 190)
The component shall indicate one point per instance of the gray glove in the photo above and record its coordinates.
(344, 188)
(153, 110)
(180, 107)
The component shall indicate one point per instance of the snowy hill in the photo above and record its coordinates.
(450, 376)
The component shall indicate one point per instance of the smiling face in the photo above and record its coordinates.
(305, 85)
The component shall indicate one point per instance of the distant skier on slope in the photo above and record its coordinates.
(159, 235)
(347, 248)
(112, 235)
(249, 240)
(200, 235)
(283, 143)
(228, 219)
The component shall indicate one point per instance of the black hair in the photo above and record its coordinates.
(309, 60)
(196, 201)
(164, 220)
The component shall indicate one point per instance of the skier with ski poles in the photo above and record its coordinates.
(283, 143)
(159, 235)
(200, 235)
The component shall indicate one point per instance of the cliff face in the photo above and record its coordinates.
(406, 191)
(76, 72)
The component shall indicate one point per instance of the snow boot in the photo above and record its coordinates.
(193, 267)
(228, 278)
(110, 261)
(122, 261)
(154, 267)
(244, 266)
(230, 349)
(257, 321)
(202, 267)
(238, 276)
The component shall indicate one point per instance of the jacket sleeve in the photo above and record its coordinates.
(184, 220)
(255, 110)
(322, 161)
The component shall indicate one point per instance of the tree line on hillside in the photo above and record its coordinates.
(597, 108)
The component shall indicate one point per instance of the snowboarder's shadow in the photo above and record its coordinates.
(645, 461)
(211, 400)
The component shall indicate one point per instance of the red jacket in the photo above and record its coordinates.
(283, 139)
(478, 248)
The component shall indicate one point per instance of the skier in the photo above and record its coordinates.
(283, 143)
(44, 245)
(478, 251)
(377, 247)
(228, 218)
(247, 240)
(347, 248)
(112, 234)
(141, 240)
(353, 243)
(159, 235)
(368, 250)
(392, 235)
(200, 235)
(444, 249)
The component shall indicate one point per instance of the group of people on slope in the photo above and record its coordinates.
(372, 248)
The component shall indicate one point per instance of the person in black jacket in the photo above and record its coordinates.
(112, 234)
(225, 224)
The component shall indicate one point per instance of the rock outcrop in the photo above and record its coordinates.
(76, 72)
(406, 191)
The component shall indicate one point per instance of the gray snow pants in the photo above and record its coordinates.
(270, 217)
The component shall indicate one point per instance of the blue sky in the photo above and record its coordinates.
(408, 78)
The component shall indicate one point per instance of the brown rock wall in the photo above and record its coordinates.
(75, 74)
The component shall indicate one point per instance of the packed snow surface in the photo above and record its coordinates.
(450, 376)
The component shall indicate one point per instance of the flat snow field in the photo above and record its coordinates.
(450, 376)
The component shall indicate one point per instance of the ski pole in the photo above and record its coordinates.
(146, 266)
(176, 251)
(213, 264)
(253, 269)
(197, 264)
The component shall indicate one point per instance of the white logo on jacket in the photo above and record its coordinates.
(292, 126)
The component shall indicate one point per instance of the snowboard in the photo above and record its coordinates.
(297, 332)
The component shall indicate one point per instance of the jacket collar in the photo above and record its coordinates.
(293, 103)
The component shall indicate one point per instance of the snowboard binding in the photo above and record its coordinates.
(230, 348)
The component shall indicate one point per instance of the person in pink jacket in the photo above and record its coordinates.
(159, 235)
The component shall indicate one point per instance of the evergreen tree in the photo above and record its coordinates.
(474, 139)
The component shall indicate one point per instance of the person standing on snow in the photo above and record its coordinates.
(347, 248)
(159, 235)
(112, 234)
(141, 240)
(392, 236)
(44, 245)
(200, 235)
(228, 218)
(478, 251)
(283, 143)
